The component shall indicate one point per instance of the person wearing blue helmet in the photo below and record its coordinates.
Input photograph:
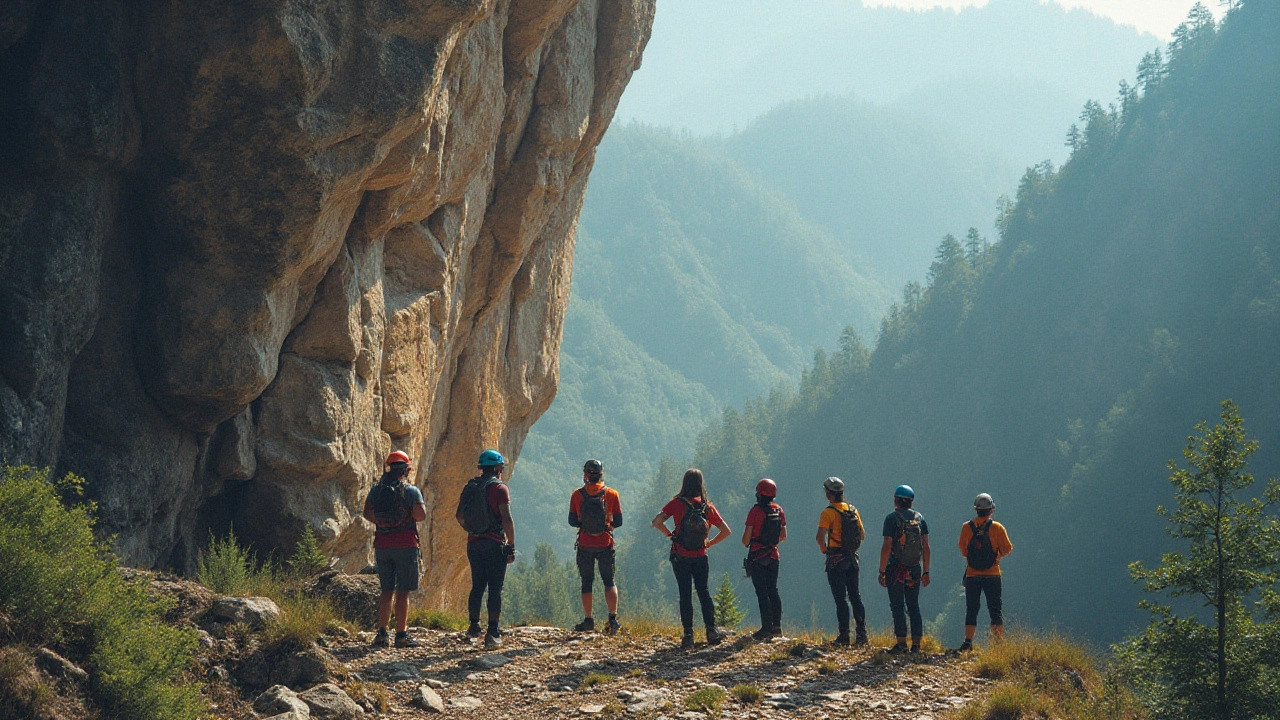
(904, 566)
(484, 511)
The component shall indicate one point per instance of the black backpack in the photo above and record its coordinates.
(693, 530)
(592, 513)
(981, 553)
(850, 530)
(477, 517)
(770, 531)
(391, 509)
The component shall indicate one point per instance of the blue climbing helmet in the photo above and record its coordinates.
(490, 458)
(905, 492)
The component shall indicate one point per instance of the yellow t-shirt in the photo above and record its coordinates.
(999, 541)
(830, 520)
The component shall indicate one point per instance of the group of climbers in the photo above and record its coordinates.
(395, 506)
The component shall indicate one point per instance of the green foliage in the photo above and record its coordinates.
(1183, 667)
(437, 619)
(593, 679)
(748, 694)
(708, 700)
(728, 613)
(61, 587)
(308, 558)
(228, 568)
(544, 592)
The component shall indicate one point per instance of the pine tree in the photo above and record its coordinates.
(307, 557)
(1228, 670)
(728, 613)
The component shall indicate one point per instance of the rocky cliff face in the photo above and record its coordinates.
(249, 247)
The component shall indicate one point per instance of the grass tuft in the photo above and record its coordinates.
(374, 694)
(593, 679)
(747, 694)
(433, 619)
(707, 700)
(827, 666)
(22, 693)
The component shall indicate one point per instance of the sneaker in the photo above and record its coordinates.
(686, 642)
(613, 627)
(899, 649)
(381, 639)
(587, 625)
(775, 631)
(842, 639)
(492, 641)
(475, 630)
(404, 640)
(763, 633)
(861, 640)
(965, 646)
(915, 649)
(713, 636)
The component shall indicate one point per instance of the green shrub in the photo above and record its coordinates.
(229, 569)
(728, 613)
(749, 694)
(437, 619)
(308, 558)
(61, 587)
(707, 700)
(595, 678)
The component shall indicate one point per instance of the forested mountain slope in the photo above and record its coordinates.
(1130, 292)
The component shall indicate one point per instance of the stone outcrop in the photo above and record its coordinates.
(247, 248)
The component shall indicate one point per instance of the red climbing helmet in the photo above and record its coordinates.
(767, 488)
(397, 457)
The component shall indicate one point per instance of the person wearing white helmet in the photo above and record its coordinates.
(983, 541)
(840, 534)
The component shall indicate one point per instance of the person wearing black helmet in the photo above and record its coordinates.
(904, 566)
(840, 534)
(596, 510)
(766, 527)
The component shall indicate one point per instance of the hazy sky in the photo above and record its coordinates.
(1158, 17)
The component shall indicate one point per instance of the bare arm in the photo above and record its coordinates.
(822, 539)
(419, 512)
(924, 545)
(722, 532)
(782, 536)
(746, 536)
(660, 522)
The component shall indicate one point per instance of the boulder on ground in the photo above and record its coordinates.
(289, 666)
(354, 596)
(58, 666)
(329, 702)
(255, 612)
(279, 699)
(428, 700)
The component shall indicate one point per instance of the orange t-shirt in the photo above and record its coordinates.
(999, 541)
(612, 509)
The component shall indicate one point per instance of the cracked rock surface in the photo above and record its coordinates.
(249, 247)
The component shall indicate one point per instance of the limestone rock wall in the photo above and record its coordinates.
(249, 247)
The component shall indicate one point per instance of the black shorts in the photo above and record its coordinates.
(397, 568)
(588, 558)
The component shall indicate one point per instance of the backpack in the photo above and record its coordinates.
(477, 517)
(693, 530)
(908, 548)
(850, 530)
(770, 532)
(391, 509)
(981, 553)
(592, 513)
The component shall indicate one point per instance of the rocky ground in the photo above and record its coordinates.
(552, 673)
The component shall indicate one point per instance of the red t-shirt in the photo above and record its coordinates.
(612, 508)
(755, 521)
(675, 510)
(497, 494)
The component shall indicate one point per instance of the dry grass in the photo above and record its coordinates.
(707, 700)
(303, 618)
(593, 679)
(23, 694)
(827, 667)
(1046, 677)
(375, 694)
(644, 626)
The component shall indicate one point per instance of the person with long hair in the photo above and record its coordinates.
(694, 517)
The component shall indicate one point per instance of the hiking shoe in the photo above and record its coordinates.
(475, 630)
(841, 639)
(613, 627)
(775, 631)
(492, 641)
(915, 649)
(861, 640)
(713, 636)
(965, 646)
(587, 625)
(381, 639)
(404, 640)
(899, 649)
(686, 642)
(763, 633)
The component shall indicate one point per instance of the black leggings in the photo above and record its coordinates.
(488, 570)
(691, 574)
(974, 587)
(843, 579)
(764, 576)
(904, 602)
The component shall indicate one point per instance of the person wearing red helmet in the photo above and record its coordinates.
(766, 527)
(395, 507)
